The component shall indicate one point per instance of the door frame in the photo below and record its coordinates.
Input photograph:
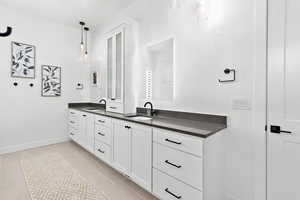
(260, 102)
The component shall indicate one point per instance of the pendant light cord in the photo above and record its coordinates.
(82, 26)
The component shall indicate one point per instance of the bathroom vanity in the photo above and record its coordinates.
(173, 155)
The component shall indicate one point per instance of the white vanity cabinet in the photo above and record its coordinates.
(141, 155)
(103, 138)
(170, 165)
(186, 167)
(115, 70)
(121, 146)
(132, 151)
(74, 125)
(119, 44)
(81, 126)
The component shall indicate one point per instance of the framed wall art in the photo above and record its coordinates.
(22, 60)
(51, 81)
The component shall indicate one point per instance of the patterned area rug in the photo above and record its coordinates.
(51, 177)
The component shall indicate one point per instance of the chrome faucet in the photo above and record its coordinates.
(152, 112)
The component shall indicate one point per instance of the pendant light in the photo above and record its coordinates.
(81, 42)
(86, 29)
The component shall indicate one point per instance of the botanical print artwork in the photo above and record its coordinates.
(22, 60)
(51, 81)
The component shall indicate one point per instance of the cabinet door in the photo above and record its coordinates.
(110, 64)
(90, 129)
(86, 131)
(119, 65)
(82, 129)
(115, 65)
(141, 155)
(121, 146)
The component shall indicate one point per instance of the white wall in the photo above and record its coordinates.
(232, 36)
(26, 118)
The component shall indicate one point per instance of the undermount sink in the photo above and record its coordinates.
(142, 118)
(92, 109)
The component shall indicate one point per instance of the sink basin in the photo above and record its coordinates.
(142, 118)
(92, 109)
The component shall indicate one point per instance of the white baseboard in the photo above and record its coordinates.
(21, 147)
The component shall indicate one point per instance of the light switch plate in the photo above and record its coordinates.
(241, 103)
(79, 86)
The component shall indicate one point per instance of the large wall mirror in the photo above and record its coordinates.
(159, 71)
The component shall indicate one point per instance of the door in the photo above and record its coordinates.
(284, 100)
(121, 146)
(141, 156)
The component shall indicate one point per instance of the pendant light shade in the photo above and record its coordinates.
(81, 42)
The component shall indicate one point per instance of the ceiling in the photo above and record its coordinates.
(70, 12)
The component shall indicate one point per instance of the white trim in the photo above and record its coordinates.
(259, 116)
(30, 145)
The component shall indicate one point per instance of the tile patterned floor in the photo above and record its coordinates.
(113, 185)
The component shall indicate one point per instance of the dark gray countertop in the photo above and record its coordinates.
(200, 125)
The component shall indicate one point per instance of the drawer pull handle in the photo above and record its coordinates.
(72, 113)
(173, 141)
(72, 122)
(101, 151)
(72, 134)
(171, 193)
(112, 107)
(83, 115)
(169, 163)
(101, 134)
(128, 127)
(101, 121)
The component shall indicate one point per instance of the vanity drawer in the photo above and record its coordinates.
(73, 133)
(74, 121)
(179, 141)
(168, 188)
(103, 134)
(115, 107)
(73, 112)
(103, 121)
(102, 151)
(183, 166)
